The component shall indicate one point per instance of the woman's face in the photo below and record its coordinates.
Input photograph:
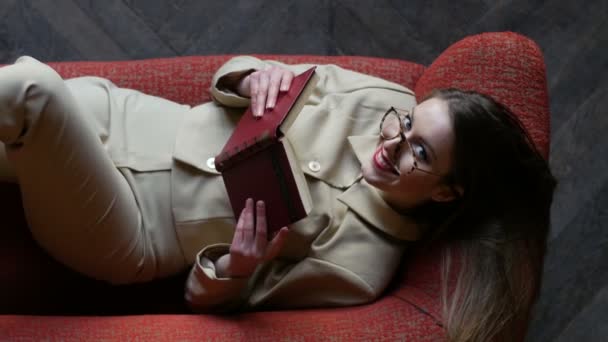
(428, 129)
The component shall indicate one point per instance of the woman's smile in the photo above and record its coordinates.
(430, 129)
(383, 163)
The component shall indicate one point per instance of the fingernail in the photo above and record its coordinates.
(260, 204)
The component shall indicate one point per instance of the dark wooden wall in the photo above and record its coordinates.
(572, 34)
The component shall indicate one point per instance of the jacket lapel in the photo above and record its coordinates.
(366, 201)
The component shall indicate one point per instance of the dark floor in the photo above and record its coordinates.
(572, 34)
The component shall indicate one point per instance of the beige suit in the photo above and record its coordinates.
(150, 203)
(346, 251)
(93, 163)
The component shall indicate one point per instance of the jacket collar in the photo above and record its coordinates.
(365, 200)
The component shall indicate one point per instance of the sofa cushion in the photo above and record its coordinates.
(387, 320)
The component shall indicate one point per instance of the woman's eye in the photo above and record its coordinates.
(421, 153)
(407, 122)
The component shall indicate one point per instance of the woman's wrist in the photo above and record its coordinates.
(224, 269)
(243, 86)
(221, 266)
(237, 82)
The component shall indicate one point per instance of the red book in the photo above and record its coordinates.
(258, 162)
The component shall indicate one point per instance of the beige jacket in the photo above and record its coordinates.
(347, 250)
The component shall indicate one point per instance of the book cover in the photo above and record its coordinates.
(258, 161)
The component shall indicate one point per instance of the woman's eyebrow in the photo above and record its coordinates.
(424, 141)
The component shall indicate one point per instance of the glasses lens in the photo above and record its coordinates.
(390, 126)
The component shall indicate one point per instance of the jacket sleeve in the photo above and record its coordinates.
(350, 265)
(225, 78)
(332, 79)
(205, 291)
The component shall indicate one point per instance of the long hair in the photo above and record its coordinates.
(497, 228)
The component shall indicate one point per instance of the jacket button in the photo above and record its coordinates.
(314, 166)
(211, 163)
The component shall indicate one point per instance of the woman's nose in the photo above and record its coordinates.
(393, 145)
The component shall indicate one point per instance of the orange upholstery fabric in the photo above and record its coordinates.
(187, 79)
(508, 67)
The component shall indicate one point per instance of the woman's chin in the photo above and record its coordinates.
(373, 177)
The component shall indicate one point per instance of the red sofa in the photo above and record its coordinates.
(40, 299)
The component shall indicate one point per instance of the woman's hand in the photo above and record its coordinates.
(250, 245)
(263, 87)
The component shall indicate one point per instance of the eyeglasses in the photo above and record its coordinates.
(394, 124)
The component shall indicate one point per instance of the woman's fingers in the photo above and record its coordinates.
(248, 229)
(238, 232)
(265, 86)
(249, 245)
(259, 83)
(286, 80)
(276, 244)
(264, 82)
(276, 76)
(261, 232)
(254, 85)
(264, 250)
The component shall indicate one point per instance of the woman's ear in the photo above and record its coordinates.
(446, 193)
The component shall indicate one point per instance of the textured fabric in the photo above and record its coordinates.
(187, 79)
(420, 282)
(506, 66)
(390, 320)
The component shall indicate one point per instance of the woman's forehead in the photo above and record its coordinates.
(433, 121)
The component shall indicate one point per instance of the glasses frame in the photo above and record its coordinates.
(401, 134)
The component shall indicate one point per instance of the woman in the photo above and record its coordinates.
(139, 197)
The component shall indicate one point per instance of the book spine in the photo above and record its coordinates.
(225, 160)
(275, 155)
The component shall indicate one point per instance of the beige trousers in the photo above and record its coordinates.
(108, 222)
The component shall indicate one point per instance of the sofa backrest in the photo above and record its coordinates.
(187, 79)
(504, 65)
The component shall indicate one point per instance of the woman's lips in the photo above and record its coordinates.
(382, 163)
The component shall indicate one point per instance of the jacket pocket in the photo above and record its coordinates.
(201, 209)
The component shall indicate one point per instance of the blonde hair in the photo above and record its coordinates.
(493, 293)
(497, 229)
